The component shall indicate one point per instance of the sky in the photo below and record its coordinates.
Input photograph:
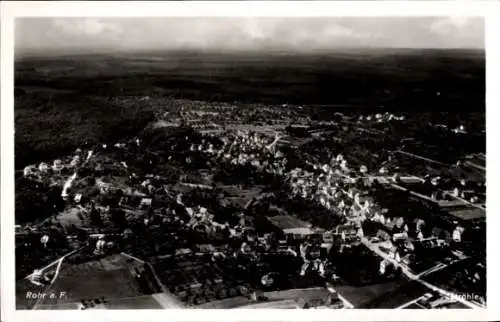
(236, 33)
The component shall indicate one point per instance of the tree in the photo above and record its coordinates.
(118, 218)
(82, 235)
(58, 239)
(95, 217)
(36, 200)
(19, 91)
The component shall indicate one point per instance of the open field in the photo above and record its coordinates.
(287, 299)
(22, 299)
(109, 278)
(384, 295)
(468, 213)
(464, 277)
(135, 303)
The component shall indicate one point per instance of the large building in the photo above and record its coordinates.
(294, 228)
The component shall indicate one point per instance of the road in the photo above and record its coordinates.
(347, 304)
(465, 201)
(412, 302)
(416, 278)
(67, 185)
(56, 274)
(57, 261)
(476, 166)
(406, 270)
(166, 299)
(433, 269)
(420, 157)
(416, 194)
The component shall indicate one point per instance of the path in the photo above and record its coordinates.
(420, 157)
(464, 201)
(58, 269)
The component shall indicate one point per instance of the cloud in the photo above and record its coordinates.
(85, 26)
(249, 33)
(451, 25)
(456, 30)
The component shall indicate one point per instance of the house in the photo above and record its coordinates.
(390, 224)
(206, 248)
(457, 234)
(43, 167)
(75, 161)
(347, 229)
(430, 243)
(294, 228)
(436, 232)
(29, 170)
(383, 235)
(326, 247)
(104, 187)
(382, 267)
(328, 237)
(300, 232)
(419, 224)
(348, 232)
(399, 236)
(78, 197)
(395, 254)
(408, 259)
(145, 202)
(408, 245)
(57, 165)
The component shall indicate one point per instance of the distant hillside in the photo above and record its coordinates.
(63, 102)
(403, 79)
(50, 127)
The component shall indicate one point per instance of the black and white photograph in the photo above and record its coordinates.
(250, 163)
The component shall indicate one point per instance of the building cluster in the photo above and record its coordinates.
(141, 197)
(239, 247)
(246, 149)
(380, 117)
(59, 167)
(328, 185)
(332, 186)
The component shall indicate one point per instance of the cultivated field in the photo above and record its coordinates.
(109, 279)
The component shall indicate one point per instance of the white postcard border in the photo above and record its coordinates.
(10, 10)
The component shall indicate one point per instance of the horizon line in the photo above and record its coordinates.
(109, 51)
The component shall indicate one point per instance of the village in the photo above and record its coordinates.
(227, 216)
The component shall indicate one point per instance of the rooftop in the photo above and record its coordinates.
(301, 231)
